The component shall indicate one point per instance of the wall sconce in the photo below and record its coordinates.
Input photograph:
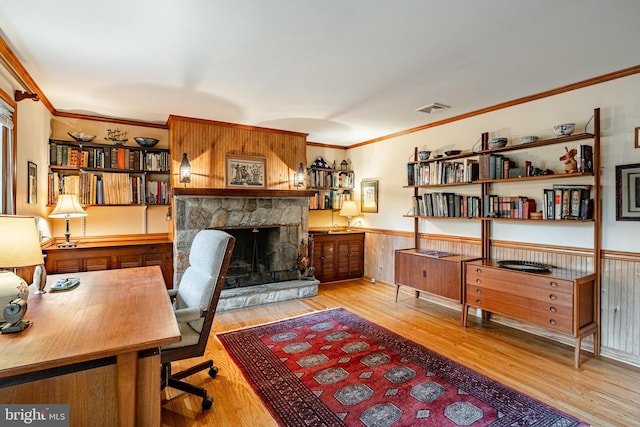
(168, 216)
(298, 178)
(185, 169)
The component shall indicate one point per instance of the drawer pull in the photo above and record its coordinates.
(478, 291)
(552, 322)
(478, 270)
(553, 309)
(478, 281)
(424, 273)
(553, 297)
(554, 284)
(478, 301)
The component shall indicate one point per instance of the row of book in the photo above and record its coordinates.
(517, 207)
(560, 202)
(447, 205)
(487, 167)
(330, 199)
(442, 172)
(108, 189)
(565, 201)
(327, 178)
(121, 158)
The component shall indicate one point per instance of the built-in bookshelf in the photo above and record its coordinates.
(102, 174)
(332, 186)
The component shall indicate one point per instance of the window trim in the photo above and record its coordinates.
(10, 158)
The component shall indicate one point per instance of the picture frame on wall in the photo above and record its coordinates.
(245, 171)
(636, 132)
(628, 192)
(369, 196)
(32, 183)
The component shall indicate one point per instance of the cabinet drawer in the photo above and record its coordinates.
(530, 285)
(549, 314)
(97, 263)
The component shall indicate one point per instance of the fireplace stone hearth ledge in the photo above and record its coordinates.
(198, 209)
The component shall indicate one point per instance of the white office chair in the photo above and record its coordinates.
(195, 301)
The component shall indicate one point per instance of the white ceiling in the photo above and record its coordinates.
(343, 71)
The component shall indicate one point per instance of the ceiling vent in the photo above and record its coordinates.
(433, 108)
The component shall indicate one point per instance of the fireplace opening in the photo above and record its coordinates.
(262, 255)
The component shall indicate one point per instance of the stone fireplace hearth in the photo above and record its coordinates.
(269, 226)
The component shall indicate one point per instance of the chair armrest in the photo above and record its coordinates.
(184, 315)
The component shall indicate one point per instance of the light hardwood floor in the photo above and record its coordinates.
(601, 392)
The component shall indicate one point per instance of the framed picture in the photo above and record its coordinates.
(32, 183)
(245, 171)
(636, 132)
(628, 192)
(369, 196)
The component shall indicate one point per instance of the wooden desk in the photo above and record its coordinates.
(93, 347)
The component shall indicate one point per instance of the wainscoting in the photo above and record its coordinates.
(620, 282)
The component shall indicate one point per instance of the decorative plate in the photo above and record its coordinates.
(533, 267)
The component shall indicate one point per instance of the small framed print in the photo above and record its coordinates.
(628, 192)
(369, 196)
(636, 132)
(245, 171)
(32, 183)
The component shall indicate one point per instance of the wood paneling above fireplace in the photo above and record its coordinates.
(207, 142)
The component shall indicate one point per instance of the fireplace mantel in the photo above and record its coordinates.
(240, 192)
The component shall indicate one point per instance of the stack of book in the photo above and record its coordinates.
(517, 207)
(447, 205)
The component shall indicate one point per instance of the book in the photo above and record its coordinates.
(549, 198)
(584, 158)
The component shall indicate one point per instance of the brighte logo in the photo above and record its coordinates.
(37, 415)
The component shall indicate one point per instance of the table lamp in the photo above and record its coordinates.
(68, 207)
(20, 248)
(349, 209)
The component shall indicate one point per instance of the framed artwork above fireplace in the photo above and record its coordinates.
(245, 171)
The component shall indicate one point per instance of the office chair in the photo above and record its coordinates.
(195, 301)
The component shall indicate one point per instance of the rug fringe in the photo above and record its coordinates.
(278, 320)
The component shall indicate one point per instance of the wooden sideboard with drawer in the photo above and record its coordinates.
(561, 300)
(94, 256)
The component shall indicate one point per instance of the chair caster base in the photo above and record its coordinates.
(213, 371)
(207, 402)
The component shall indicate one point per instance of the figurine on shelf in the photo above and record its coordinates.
(569, 159)
(117, 136)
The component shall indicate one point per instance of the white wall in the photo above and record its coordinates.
(619, 102)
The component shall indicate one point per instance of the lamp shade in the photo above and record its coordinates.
(68, 207)
(349, 209)
(20, 243)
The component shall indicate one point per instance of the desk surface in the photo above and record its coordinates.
(111, 312)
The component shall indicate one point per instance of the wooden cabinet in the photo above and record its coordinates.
(337, 256)
(111, 255)
(561, 300)
(425, 271)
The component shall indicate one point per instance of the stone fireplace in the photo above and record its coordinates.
(269, 226)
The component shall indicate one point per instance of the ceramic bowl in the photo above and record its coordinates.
(145, 142)
(564, 129)
(452, 152)
(527, 139)
(424, 154)
(497, 142)
(81, 136)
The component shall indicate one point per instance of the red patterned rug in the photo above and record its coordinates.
(333, 368)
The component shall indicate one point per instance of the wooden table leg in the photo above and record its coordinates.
(127, 375)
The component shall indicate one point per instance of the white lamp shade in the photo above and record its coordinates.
(68, 207)
(349, 209)
(20, 242)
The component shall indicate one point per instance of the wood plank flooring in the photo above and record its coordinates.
(601, 392)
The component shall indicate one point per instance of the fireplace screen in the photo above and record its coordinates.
(262, 255)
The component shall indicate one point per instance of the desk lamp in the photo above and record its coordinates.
(68, 207)
(349, 209)
(20, 248)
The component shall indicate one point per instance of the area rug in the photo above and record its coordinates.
(334, 368)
